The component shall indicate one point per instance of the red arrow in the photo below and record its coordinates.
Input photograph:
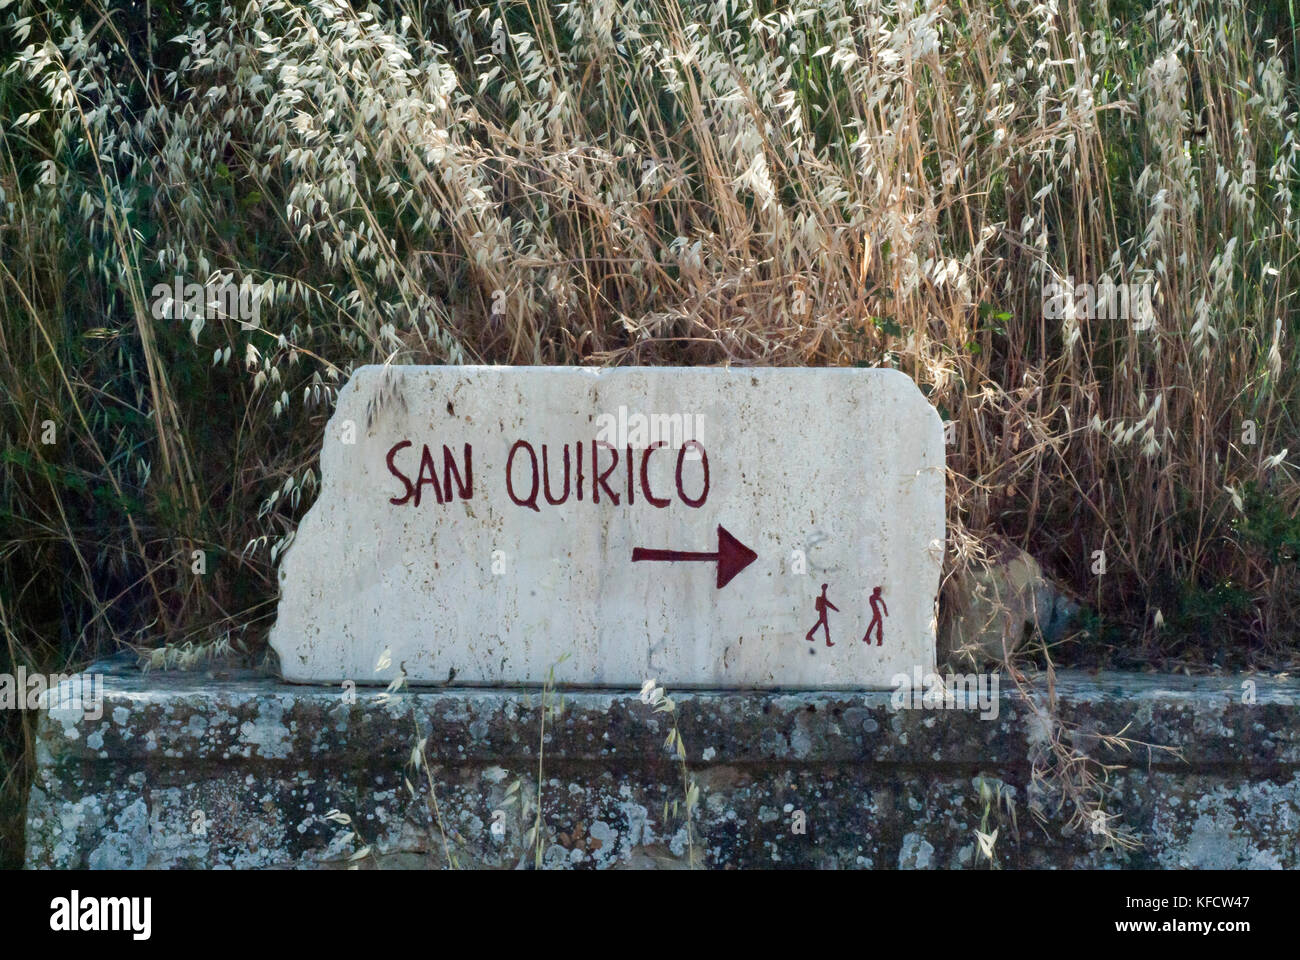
(732, 556)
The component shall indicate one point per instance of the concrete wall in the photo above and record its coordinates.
(229, 769)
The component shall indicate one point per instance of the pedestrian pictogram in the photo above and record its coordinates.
(823, 605)
(877, 604)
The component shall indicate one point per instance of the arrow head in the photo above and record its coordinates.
(733, 556)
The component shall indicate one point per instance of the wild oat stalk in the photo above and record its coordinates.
(655, 696)
(1060, 768)
(419, 759)
(552, 706)
(879, 183)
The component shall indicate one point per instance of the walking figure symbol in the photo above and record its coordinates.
(877, 604)
(822, 605)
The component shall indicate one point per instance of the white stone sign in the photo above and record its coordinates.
(705, 527)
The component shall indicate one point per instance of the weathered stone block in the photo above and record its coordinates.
(490, 523)
(232, 769)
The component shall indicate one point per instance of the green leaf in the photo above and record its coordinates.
(887, 326)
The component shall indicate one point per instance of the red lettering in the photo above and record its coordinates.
(532, 494)
(645, 475)
(428, 474)
(704, 459)
(598, 478)
(449, 470)
(392, 468)
(546, 477)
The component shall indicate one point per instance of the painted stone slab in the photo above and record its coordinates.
(706, 527)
